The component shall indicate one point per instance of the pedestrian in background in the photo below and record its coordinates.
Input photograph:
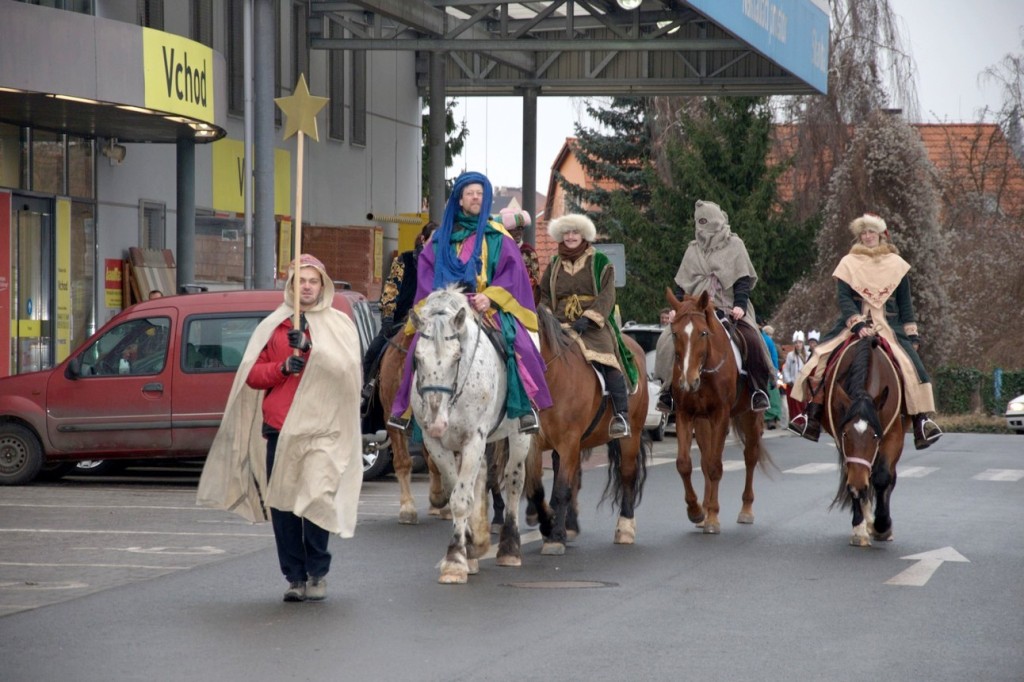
(794, 362)
(289, 446)
(774, 411)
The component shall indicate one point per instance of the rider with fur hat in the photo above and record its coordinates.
(716, 261)
(873, 292)
(579, 288)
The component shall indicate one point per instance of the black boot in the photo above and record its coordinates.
(619, 427)
(926, 431)
(665, 403)
(812, 429)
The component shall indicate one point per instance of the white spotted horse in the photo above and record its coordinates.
(458, 397)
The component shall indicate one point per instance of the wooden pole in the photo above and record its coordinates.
(297, 230)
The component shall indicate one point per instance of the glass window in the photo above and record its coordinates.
(300, 42)
(81, 167)
(151, 13)
(135, 347)
(359, 97)
(216, 344)
(336, 87)
(201, 19)
(47, 162)
(11, 156)
(83, 271)
(236, 58)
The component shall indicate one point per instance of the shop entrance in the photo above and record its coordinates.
(31, 284)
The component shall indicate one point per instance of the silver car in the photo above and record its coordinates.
(1015, 415)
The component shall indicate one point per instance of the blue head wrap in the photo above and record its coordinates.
(448, 269)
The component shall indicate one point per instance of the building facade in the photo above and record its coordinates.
(115, 113)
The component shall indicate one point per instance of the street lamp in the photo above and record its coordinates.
(629, 4)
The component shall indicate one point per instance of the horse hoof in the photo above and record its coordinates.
(571, 535)
(532, 520)
(553, 549)
(445, 514)
(884, 537)
(474, 566)
(495, 528)
(509, 561)
(696, 519)
(409, 518)
(625, 532)
(712, 529)
(745, 517)
(454, 578)
(860, 541)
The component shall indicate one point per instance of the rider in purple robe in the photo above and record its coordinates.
(478, 254)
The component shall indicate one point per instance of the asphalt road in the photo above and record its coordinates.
(125, 579)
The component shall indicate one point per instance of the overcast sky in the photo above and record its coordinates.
(951, 42)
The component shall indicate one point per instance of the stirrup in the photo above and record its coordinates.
(619, 427)
(797, 424)
(368, 388)
(924, 437)
(399, 423)
(759, 401)
(665, 403)
(529, 423)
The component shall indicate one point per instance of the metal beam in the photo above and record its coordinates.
(524, 45)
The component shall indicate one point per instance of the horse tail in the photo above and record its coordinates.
(764, 458)
(626, 500)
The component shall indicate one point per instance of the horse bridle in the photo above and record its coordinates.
(455, 390)
(704, 370)
(878, 437)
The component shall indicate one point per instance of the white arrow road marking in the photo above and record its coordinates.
(927, 563)
(1000, 475)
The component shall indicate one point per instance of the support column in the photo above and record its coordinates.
(264, 226)
(186, 203)
(247, 267)
(436, 136)
(530, 162)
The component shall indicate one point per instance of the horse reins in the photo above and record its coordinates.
(885, 430)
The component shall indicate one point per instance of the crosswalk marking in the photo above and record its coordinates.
(1000, 475)
(812, 468)
(915, 472)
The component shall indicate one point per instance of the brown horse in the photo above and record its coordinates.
(390, 377)
(579, 420)
(863, 398)
(709, 394)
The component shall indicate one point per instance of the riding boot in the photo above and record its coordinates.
(619, 427)
(926, 431)
(665, 402)
(529, 423)
(813, 413)
(759, 401)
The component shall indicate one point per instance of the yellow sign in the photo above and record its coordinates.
(284, 249)
(62, 337)
(179, 75)
(229, 177)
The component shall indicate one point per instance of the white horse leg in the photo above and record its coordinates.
(455, 565)
(509, 542)
(861, 532)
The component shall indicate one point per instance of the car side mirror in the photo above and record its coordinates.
(74, 368)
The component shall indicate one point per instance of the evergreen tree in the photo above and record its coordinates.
(614, 155)
(455, 135)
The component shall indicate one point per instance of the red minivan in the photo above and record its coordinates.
(152, 383)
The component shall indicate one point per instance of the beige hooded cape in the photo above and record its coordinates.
(318, 467)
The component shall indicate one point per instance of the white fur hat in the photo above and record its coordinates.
(798, 336)
(572, 221)
(814, 335)
(869, 222)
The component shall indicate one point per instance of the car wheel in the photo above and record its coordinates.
(21, 454)
(658, 432)
(376, 463)
(98, 467)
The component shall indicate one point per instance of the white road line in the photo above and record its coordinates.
(62, 565)
(70, 531)
(103, 506)
(915, 472)
(812, 468)
(1000, 475)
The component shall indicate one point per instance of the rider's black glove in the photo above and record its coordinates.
(581, 325)
(293, 365)
(857, 327)
(297, 339)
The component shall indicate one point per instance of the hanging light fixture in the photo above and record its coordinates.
(629, 4)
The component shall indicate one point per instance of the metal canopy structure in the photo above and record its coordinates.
(591, 47)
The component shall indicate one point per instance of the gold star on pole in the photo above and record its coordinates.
(300, 110)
